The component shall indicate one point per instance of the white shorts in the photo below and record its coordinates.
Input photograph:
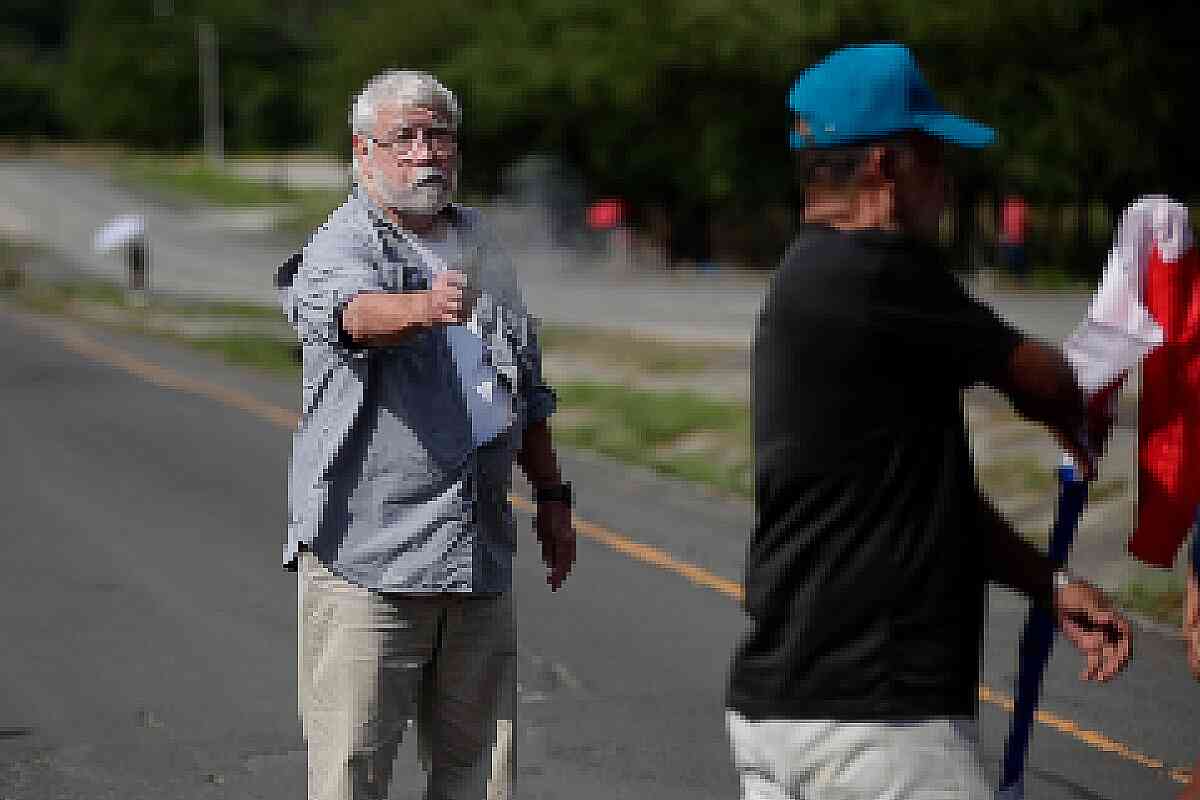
(934, 759)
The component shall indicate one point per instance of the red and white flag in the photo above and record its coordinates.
(1147, 310)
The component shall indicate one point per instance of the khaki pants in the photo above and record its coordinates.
(936, 759)
(369, 663)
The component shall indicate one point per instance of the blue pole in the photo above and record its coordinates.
(1038, 638)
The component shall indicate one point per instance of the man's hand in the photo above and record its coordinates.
(445, 303)
(557, 535)
(1086, 616)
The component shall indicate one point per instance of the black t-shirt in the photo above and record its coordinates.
(864, 574)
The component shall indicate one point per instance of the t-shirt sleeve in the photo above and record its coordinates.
(936, 324)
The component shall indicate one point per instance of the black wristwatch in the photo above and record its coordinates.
(559, 492)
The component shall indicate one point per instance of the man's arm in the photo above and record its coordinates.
(554, 528)
(384, 318)
(1012, 561)
(537, 458)
(1041, 386)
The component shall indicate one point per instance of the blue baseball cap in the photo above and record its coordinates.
(869, 92)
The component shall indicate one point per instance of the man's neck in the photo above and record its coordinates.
(420, 224)
(851, 212)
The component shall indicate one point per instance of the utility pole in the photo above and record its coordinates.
(210, 92)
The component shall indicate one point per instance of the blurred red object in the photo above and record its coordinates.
(1014, 220)
(605, 214)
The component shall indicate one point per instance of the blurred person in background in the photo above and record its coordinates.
(421, 382)
(1014, 227)
(866, 571)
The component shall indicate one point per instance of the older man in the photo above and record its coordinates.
(866, 569)
(421, 381)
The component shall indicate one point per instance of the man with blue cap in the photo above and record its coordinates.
(867, 567)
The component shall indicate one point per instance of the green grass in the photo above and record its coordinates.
(191, 179)
(71, 299)
(57, 295)
(251, 351)
(647, 354)
(652, 429)
(1023, 474)
(1045, 277)
(1027, 475)
(1159, 599)
(654, 418)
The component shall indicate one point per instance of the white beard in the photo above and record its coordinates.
(429, 197)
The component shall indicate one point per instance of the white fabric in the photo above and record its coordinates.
(934, 759)
(489, 402)
(1119, 331)
(118, 232)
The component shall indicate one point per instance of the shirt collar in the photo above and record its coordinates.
(382, 222)
(870, 237)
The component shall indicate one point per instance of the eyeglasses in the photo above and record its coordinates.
(403, 142)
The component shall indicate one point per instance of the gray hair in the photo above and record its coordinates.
(405, 88)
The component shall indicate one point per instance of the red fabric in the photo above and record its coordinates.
(605, 214)
(1014, 213)
(1169, 412)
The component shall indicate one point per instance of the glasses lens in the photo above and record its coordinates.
(405, 141)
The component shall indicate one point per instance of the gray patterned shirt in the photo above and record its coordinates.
(385, 486)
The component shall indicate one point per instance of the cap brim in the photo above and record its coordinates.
(958, 130)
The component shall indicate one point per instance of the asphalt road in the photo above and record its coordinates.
(150, 631)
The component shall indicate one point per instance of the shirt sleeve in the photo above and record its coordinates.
(939, 326)
(327, 280)
(540, 400)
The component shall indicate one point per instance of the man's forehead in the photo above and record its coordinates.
(392, 115)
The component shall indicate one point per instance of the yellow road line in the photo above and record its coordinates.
(167, 378)
(647, 554)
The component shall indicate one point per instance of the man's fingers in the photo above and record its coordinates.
(565, 557)
(449, 279)
(1104, 639)
(547, 543)
(558, 552)
(1124, 645)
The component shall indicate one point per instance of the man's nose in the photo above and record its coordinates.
(422, 150)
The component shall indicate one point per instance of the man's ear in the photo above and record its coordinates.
(877, 166)
(360, 147)
(888, 165)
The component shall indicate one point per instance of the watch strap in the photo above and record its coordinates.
(559, 492)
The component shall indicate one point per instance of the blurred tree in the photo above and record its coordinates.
(678, 106)
(132, 72)
(32, 33)
(130, 76)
